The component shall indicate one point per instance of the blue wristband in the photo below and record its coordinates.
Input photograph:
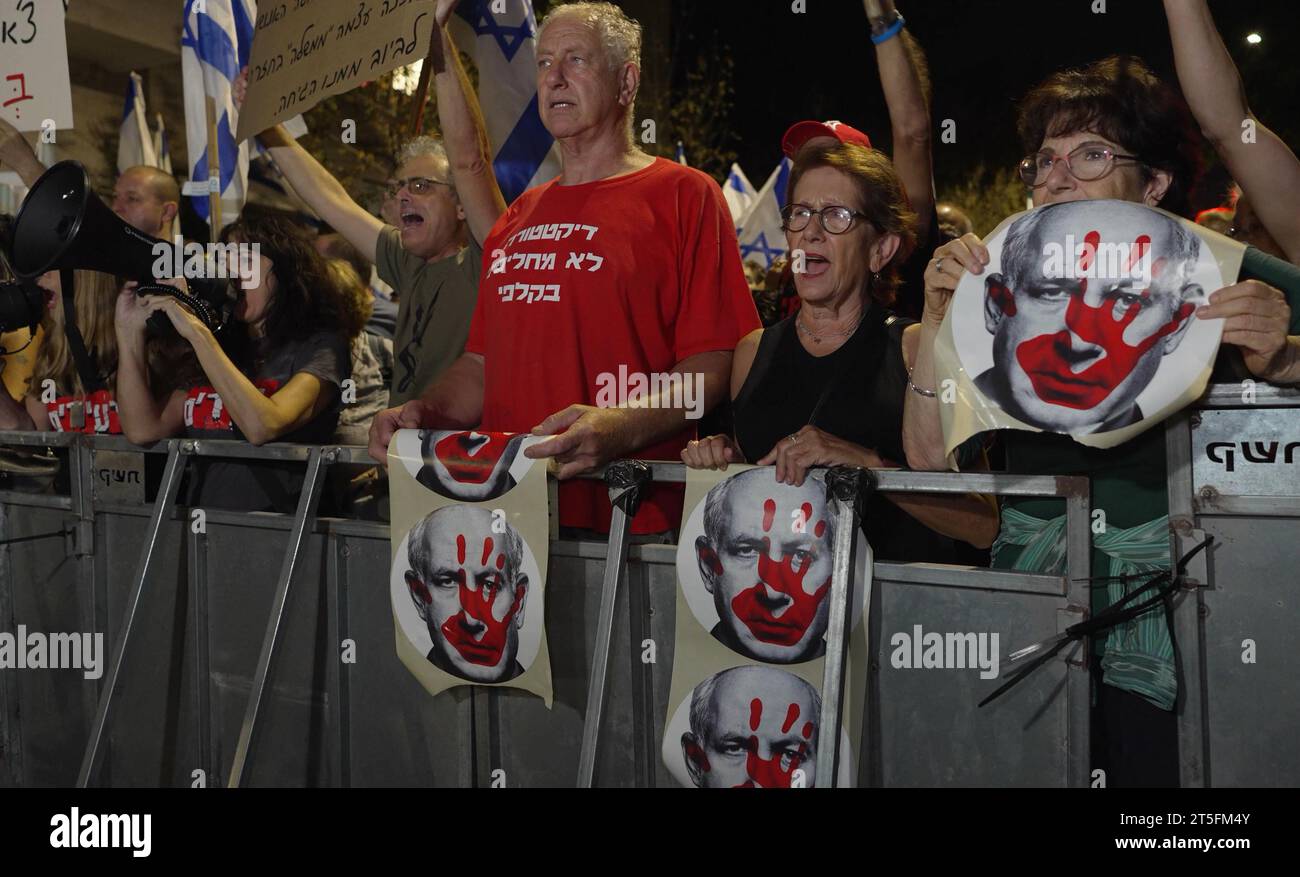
(891, 31)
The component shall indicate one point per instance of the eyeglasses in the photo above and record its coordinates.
(417, 185)
(1085, 164)
(834, 219)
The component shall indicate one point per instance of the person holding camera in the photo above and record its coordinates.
(275, 374)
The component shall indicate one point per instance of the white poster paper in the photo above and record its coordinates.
(34, 83)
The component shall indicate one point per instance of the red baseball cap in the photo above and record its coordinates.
(801, 132)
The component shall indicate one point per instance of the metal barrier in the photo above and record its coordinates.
(1234, 475)
(222, 671)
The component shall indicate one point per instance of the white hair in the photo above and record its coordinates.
(421, 145)
(704, 710)
(419, 550)
(620, 36)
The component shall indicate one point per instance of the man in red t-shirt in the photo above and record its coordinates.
(613, 278)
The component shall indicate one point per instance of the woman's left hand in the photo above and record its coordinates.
(189, 327)
(1255, 318)
(795, 454)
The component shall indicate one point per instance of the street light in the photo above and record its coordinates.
(1254, 39)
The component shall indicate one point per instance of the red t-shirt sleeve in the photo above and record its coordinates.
(717, 308)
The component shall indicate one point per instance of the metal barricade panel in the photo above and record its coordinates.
(244, 561)
(540, 747)
(1254, 708)
(152, 729)
(927, 726)
(46, 594)
(397, 734)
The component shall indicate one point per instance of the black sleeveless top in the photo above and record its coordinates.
(856, 394)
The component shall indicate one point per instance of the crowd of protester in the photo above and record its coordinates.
(830, 364)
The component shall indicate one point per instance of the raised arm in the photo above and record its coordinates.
(1264, 166)
(145, 419)
(464, 134)
(904, 78)
(317, 186)
(17, 153)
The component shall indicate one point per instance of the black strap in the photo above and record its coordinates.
(91, 380)
(1160, 584)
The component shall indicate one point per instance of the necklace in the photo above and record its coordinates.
(817, 339)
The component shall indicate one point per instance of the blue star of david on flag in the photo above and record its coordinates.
(508, 37)
(760, 245)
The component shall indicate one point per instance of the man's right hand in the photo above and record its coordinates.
(945, 271)
(415, 414)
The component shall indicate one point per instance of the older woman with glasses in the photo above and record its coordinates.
(825, 387)
(1111, 130)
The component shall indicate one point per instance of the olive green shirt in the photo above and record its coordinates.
(434, 305)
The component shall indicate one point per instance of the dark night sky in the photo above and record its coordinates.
(983, 56)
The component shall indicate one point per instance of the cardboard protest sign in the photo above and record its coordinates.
(754, 568)
(34, 83)
(470, 532)
(306, 50)
(1083, 323)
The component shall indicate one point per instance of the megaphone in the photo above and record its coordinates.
(63, 225)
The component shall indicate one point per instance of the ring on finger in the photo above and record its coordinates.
(794, 439)
(938, 264)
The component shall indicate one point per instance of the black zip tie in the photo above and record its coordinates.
(628, 477)
(33, 538)
(1112, 615)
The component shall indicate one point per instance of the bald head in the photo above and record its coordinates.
(147, 199)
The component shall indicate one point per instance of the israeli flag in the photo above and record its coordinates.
(216, 39)
(739, 192)
(503, 46)
(161, 146)
(135, 145)
(760, 235)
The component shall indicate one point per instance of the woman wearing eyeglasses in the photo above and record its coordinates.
(825, 387)
(1109, 130)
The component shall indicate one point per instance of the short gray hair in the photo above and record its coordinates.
(1022, 249)
(717, 506)
(420, 145)
(704, 715)
(620, 36)
(418, 553)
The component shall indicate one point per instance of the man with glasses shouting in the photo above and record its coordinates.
(445, 200)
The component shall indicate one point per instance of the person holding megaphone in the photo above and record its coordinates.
(275, 374)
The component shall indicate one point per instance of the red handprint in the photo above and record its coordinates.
(768, 773)
(473, 631)
(783, 619)
(1047, 359)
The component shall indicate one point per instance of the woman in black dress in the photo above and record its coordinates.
(825, 387)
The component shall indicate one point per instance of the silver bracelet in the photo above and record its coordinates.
(929, 394)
